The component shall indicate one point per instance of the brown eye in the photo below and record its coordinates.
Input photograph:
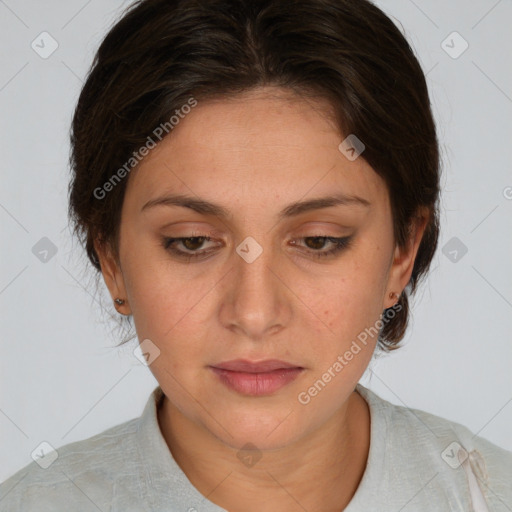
(192, 244)
(318, 243)
(314, 244)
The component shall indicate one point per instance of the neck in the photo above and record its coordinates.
(319, 472)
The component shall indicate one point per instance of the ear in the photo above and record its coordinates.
(112, 275)
(403, 260)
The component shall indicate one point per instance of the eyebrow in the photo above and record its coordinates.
(207, 208)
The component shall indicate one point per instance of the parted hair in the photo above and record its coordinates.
(160, 53)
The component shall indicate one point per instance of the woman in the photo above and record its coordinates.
(257, 182)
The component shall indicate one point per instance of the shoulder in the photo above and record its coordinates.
(83, 473)
(446, 436)
(464, 466)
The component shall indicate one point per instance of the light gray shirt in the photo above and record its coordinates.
(417, 462)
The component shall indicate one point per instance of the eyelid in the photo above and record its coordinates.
(209, 230)
(338, 245)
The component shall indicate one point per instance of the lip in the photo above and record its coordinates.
(243, 365)
(256, 378)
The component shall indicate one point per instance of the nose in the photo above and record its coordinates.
(256, 303)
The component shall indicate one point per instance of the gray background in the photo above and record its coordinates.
(61, 377)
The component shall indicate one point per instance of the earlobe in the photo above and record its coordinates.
(121, 302)
(404, 258)
(113, 277)
(394, 296)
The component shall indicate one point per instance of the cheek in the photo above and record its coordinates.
(355, 288)
(350, 305)
(169, 304)
(169, 309)
(155, 286)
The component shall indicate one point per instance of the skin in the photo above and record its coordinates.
(254, 154)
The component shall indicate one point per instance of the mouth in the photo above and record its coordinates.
(256, 378)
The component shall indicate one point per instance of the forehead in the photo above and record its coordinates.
(266, 143)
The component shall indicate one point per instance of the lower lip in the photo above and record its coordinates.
(257, 384)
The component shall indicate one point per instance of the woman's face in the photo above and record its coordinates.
(263, 287)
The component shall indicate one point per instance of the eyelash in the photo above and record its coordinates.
(339, 245)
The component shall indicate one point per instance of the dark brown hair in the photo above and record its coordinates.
(348, 52)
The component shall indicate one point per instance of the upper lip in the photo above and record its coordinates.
(243, 365)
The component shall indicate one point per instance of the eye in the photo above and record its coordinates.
(314, 245)
(319, 241)
(190, 243)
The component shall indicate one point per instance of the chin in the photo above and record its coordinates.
(264, 431)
